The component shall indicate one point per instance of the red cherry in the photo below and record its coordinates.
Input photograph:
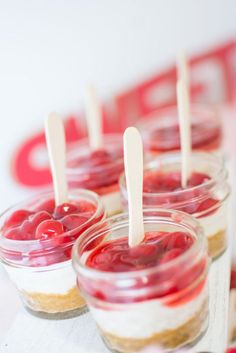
(12, 233)
(170, 255)
(27, 230)
(146, 250)
(198, 179)
(39, 217)
(65, 209)
(100, 157)
(84, 207)
(49, 229)
(73, 221)
(179, 240)
(48, 206)
(207, 205)
(99, 154)
(16, 218)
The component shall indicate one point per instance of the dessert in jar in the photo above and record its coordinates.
(205, 197)
(98, 170)
(160, 130)
(153, 293)
(36, 239)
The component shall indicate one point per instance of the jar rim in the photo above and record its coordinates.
(82, 193)
(198, 245)
(176, 158)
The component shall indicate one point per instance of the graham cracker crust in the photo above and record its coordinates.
(217, 244)
(168, 339)
(54, 303)
(114, 213)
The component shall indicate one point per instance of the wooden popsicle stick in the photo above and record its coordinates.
(232, 315)
(94, 119)
(133, 160)
(183, 72)
(55, 137)
(185, 131)
(183, 68)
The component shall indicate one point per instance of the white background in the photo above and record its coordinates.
(51, 49)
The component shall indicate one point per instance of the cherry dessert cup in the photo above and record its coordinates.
(205, 197)
(153, 293)
(160, 130)
(36, 239)
(98, 170)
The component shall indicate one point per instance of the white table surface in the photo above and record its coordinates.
(30, 334)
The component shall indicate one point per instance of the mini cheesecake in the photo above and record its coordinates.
(166, 305)
(98, 170)
(35, 248)
(207, 208)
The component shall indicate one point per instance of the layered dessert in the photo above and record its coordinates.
(35, 247)
(204, 197)
(153, 293)
(98, 170)
(161, 133)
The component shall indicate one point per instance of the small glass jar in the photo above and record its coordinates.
(98, 170)
(207, 202)
(165, 305)
(160, 130)
(41, 269)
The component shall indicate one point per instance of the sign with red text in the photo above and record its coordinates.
(213, 80)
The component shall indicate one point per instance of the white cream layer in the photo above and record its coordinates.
(55, 279)
(215, 222)
(112, 202)
(143, 320)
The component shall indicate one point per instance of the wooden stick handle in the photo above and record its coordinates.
(133, 159)
(56, 145)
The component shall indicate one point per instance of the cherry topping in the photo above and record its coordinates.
(161, 183)
(170, 255)
(85, 207)
(100, 157)
(48, 206)
(12, 233)
(39, 217)
(117, 256)
(48, 224)
(49, 229)
(175, 282)
(206, 135)
(73, 221)
(65, 209)
(177, 240)
(16, 218)
(97, 170)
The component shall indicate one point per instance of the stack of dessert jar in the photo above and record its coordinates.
(153, 293)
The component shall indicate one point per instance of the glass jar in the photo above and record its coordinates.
(166, 304)
(41, 268)
(160, 130)
(207, 202)
(98, 170)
